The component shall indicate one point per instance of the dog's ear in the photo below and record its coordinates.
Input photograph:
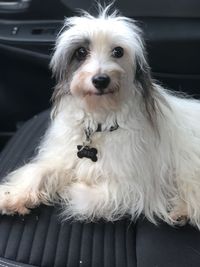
(58, 65)
(60, 60)
(143, 76)
(144, 83)
(61, 63)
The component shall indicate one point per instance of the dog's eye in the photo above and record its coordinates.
(118, 52)
(81, 53)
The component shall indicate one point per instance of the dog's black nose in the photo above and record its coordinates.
(101, 81)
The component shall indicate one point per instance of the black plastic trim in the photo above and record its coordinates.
(29, 31)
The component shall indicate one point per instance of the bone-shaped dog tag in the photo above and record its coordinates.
(87, 152)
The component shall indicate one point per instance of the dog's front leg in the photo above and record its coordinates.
(88, 202)
(23, 189)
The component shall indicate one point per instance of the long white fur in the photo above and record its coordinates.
(140, 168)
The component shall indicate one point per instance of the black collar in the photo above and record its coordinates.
(112, 128)
(89, 133)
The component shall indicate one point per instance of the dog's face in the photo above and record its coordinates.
(100, 68)
(96, 60)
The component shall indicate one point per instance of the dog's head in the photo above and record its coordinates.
(101, 61)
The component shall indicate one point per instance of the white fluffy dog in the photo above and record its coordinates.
(118, 143)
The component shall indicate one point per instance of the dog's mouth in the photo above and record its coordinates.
(104, 93)
(100, 93)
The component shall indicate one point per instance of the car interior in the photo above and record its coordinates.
(28, 30)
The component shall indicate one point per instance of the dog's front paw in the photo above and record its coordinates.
(179, 215)
(15, 200)
(21, 190)
(85, 202)
(179, 219)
